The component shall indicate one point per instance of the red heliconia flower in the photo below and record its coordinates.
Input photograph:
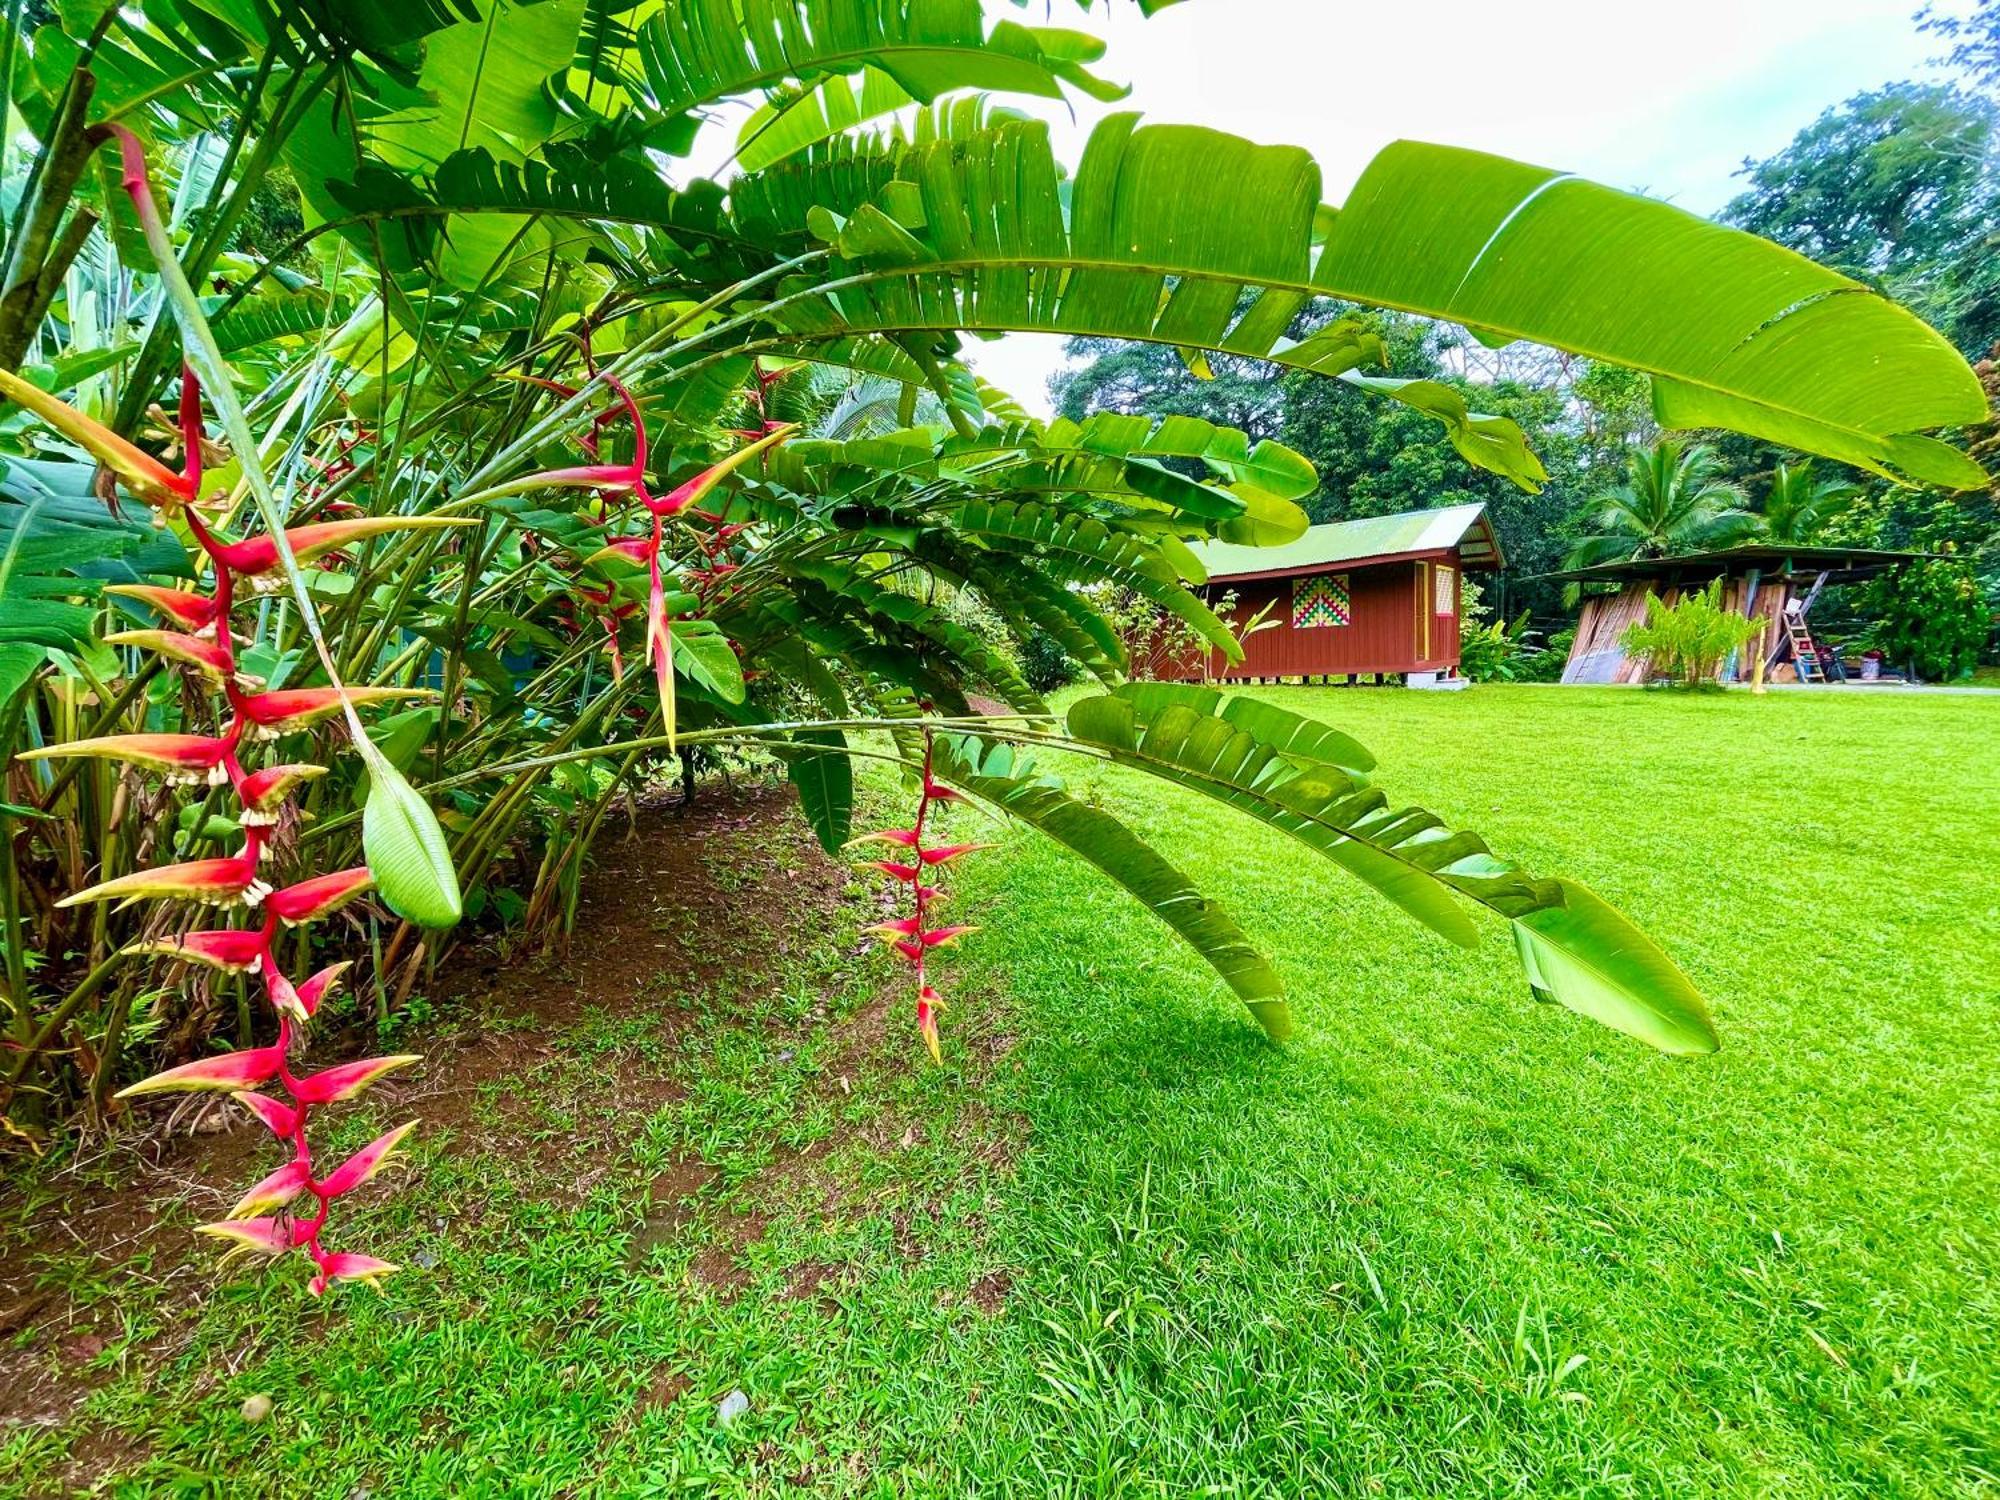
(211, 658)
(240, 950)
(200, 636)
(282, 1120)
(256, 558)
(275, 1191)
(310, 900)
(349, 1267)
(929, 1003)
(364, 1163)
(263, 793)
(315, 991)
(288, 709)
(194, 613)
(913, 936)
(233, 1071)
(260, 1236)
(347, 1079)
(188, 759)
(218, 882)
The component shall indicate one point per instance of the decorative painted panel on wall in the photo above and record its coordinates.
(1321, 602)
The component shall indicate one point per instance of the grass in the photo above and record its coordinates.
(1446, 1242)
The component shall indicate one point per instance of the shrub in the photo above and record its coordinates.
(1932, 619)
(1045, 666)
(1688, 641)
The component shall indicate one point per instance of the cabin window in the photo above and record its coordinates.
(1447, 590)
(1321, 602)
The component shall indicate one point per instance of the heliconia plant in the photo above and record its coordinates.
(264, 1221)
(614, 482)
(913, 937)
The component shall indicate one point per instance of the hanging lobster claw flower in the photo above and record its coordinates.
(289, 709)
(239, 950)
(256, 557)
(348, 1079)
(347, 1266)
(937, 791)
(906, 873)
(262, 794)
(218, 882)
(695, 490)
(907, 927)
(281, 1119)
(194, 613)
(234, 1071)
(944, 853)
(312, 899)
(184, 758)
(929, 1003)
(275, 1191)
(637, 550)
(284, 998)
(137, 470)
(316, 990)
(257, 1236)
(905, 837)
(364, 1163)
(210, 658)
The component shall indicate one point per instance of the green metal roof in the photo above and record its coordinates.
(1335, 542)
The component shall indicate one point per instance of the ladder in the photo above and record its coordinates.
(1805, 655)
(1806, 662)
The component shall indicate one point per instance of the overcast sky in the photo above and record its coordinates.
(1663, 98)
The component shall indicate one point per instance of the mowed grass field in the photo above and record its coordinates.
(1447, 1242)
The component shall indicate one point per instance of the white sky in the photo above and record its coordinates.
(1662, 98)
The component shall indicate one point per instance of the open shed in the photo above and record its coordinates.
(1373, 597)
(1773, 582)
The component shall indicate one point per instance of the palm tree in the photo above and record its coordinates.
(1673, 501)
(1799, 506)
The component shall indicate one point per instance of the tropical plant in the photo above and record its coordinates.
(1931, 618)
(1799, 506)
(1689, 640)
(1490, 650)
(516, 407)
(1674, 501)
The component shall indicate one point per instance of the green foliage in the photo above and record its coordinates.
(1931, 618)
(496, 239)
(1901, 187)
(1045, 666)
(1688, 641)
(1674, 501)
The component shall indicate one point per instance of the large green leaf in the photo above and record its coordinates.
(1187, 236)
(825, 779)
(700, 52)
(997, 774)
(1578, 951)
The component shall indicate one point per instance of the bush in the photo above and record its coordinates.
(1546, 665)
(1044, 665)
(1689, 640)
(1931, 619)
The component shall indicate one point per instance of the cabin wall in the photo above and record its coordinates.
(1393, 626)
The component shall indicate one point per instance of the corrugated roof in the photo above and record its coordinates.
(1773, 557)
(1334, 542)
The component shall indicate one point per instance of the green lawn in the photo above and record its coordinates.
(1447, 1242)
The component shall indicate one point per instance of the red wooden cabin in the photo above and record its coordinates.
(1373, 597)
